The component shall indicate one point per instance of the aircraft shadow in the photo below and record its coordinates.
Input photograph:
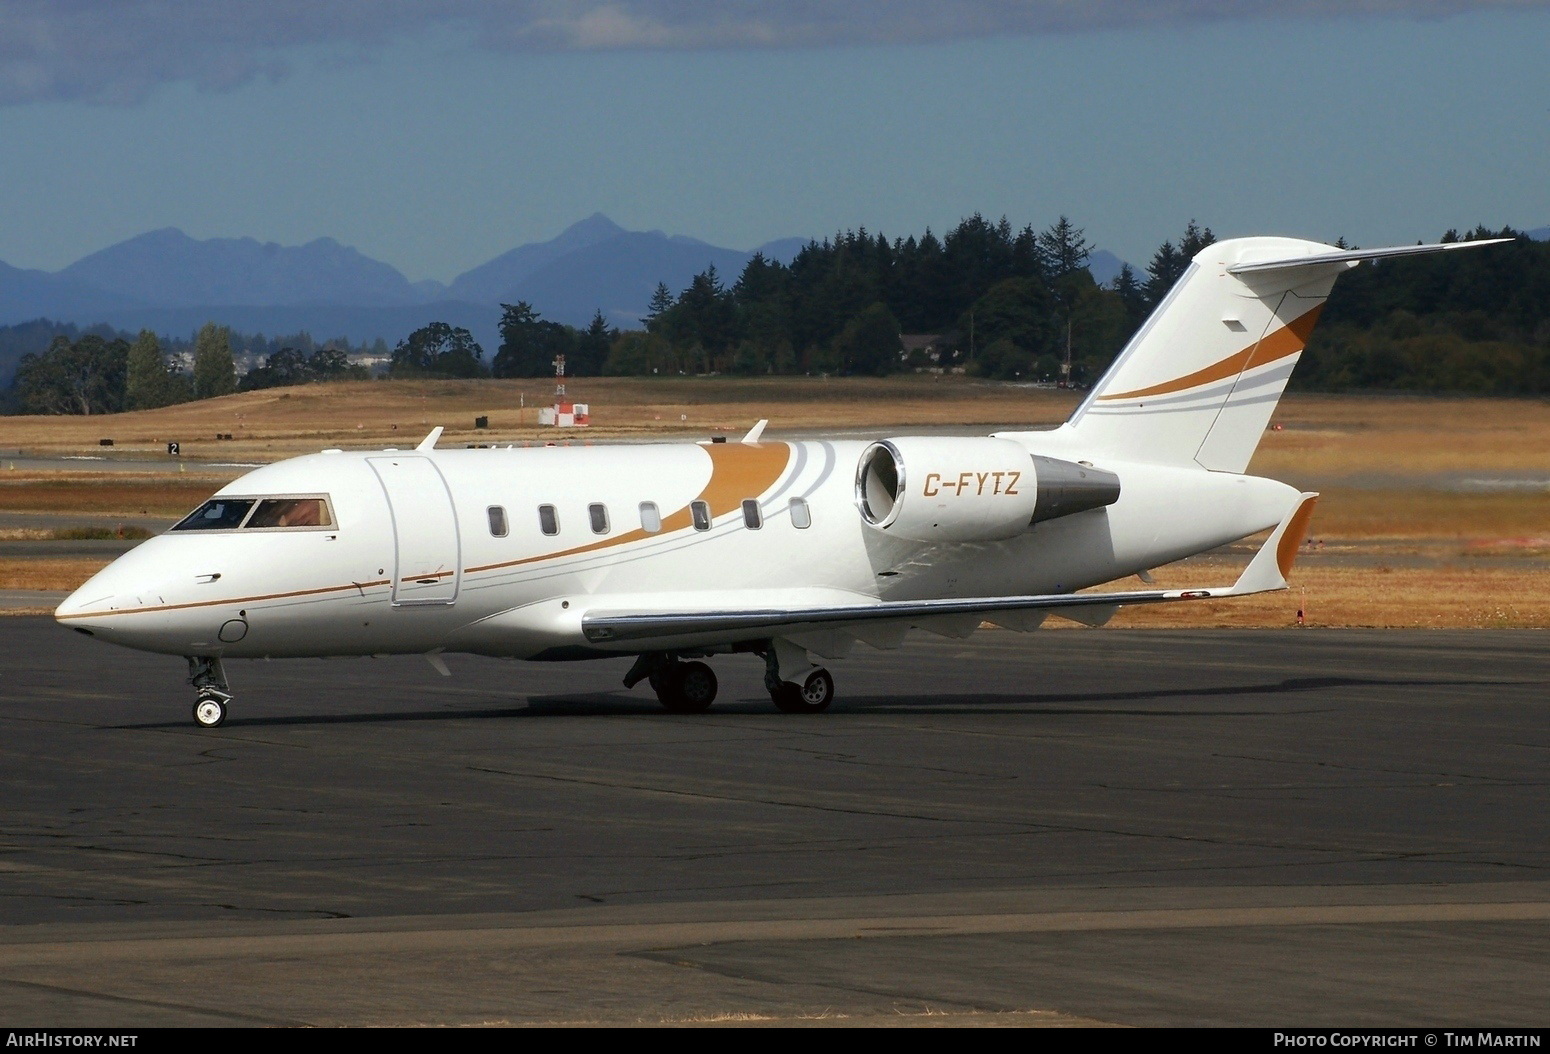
(1090, 702)
(621, 704)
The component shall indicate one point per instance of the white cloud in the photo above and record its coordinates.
(118, 52)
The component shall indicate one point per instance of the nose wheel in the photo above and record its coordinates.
(206, 675)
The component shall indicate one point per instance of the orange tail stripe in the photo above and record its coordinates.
(1288, 340)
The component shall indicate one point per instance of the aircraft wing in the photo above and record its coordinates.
(1266, 572)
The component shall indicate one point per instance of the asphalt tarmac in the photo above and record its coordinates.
(1285, 828)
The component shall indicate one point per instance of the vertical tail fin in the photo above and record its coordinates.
(1198, 382)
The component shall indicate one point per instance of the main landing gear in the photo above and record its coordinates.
(812, 696)
(207, 676)
(685, 687)
(795, 685)
(682, 687)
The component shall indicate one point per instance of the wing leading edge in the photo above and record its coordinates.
(1265, 573)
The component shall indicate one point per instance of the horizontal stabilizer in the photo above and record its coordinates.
(1354, 256)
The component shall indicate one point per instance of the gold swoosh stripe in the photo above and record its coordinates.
(1288, 340)
(218, 603)
(737, 471)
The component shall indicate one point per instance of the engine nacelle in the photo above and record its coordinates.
(947, 489)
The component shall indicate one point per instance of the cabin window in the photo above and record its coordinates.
(217, 514)
(801, 515)
(548, 521)
(751, 518)
(650, 517)
(599, 514)
(290, 512)
(498, 528)
(701, 513)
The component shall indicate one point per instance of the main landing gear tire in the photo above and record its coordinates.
(210, 711)
(686, 687)
(810, 697)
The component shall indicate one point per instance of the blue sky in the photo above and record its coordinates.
(436, 135)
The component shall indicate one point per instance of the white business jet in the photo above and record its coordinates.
(783, 550)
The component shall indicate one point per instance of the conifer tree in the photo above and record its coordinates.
(146, 385)
(215, 372)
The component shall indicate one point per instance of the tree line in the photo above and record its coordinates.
(99, 371)
(1476, 322)
(986, 299)
(997, 302)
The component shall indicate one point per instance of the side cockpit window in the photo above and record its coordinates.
(290, 512)
(280, 513)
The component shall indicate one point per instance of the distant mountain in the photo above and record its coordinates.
(1539, 234)
(167, 268)
(492, 282)
(619, 275)
(32, 294)
(597, 265)
(172, 283)
(783, 250)
(1104, 266)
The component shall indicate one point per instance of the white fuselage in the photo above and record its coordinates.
(413, 561)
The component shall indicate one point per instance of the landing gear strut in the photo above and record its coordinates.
(206, 675)
(682, 687)
(795, 685)
(812, 696)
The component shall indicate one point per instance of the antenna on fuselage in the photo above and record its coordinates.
(429, 442)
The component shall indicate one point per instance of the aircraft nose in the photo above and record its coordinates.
(77, 609)
(116, 588)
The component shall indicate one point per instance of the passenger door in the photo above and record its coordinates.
(427, 555)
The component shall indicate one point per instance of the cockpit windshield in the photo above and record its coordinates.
(278, 513)
(217, 514)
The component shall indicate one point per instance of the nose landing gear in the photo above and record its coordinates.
(205, 674)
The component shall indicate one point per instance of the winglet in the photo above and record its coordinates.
(429, 442)
(756, 431)
(1273, 562)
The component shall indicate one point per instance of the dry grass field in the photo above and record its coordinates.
(1415, 527)
(268, 425)
(1439, 596)
(105, 494)
(1325, 437)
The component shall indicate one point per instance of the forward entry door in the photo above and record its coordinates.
(427, 565)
